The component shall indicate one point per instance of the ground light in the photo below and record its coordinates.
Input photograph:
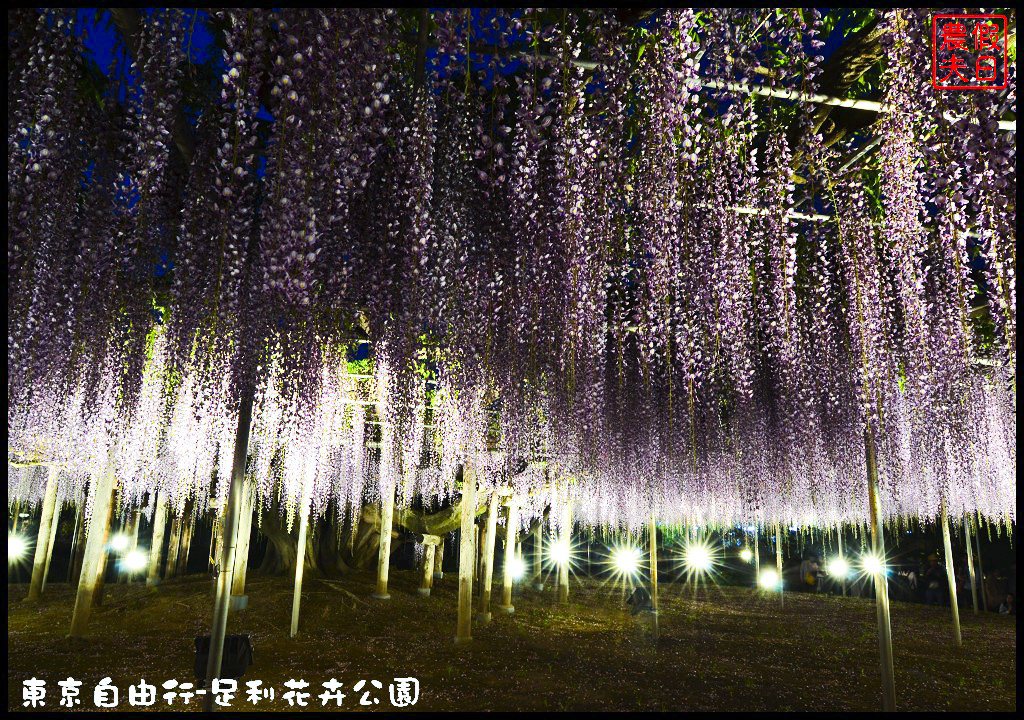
(516, 567)
(626, 560)
(872, 564)
(134, 561)
(16, 548)
(838, 568)
(746, 555)
(697, 558)
(769, 580)
(119, 543)
(558, 552)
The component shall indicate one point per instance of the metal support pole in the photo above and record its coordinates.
(227, 564)
(881, 588)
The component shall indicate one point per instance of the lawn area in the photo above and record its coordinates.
(721, 649)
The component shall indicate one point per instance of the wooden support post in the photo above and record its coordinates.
(101, 578)
(778, 559)
(653, 533)
(77, 546)
(227, 564)
(970, 563)
(757, 556)
(511, 559)
(52, 542)
(981, 570)
(430, 544)
(95, 547)
(188, 526)
(467, 557)
(17, 514)
(300, 557)
(484, 615)
(950, 576)
(839, 537)
(156, 544)
(439, 560)
(47, 520)
(566, 541)
(239, 600)
(123, 574)
(538, 555)
(476, 552)
(881, 584)
(387, 510)
(172, 548)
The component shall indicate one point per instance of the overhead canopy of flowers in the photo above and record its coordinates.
(574, 255)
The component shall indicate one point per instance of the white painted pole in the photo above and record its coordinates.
(467, 557)
(46, 521)
(950, 576)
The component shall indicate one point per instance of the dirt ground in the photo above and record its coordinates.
(720, 648)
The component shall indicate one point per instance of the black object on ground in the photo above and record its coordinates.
(237, 656)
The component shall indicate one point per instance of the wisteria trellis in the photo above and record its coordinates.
(559, 246)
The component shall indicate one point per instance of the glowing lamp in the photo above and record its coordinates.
(16, 548)
(559, 552)
(134, 561)
(119, 543)
(746, 555)
(769, 580)
(838, 567)
(626, 560)
(697, 557)
(872, 564)
(516, 567)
